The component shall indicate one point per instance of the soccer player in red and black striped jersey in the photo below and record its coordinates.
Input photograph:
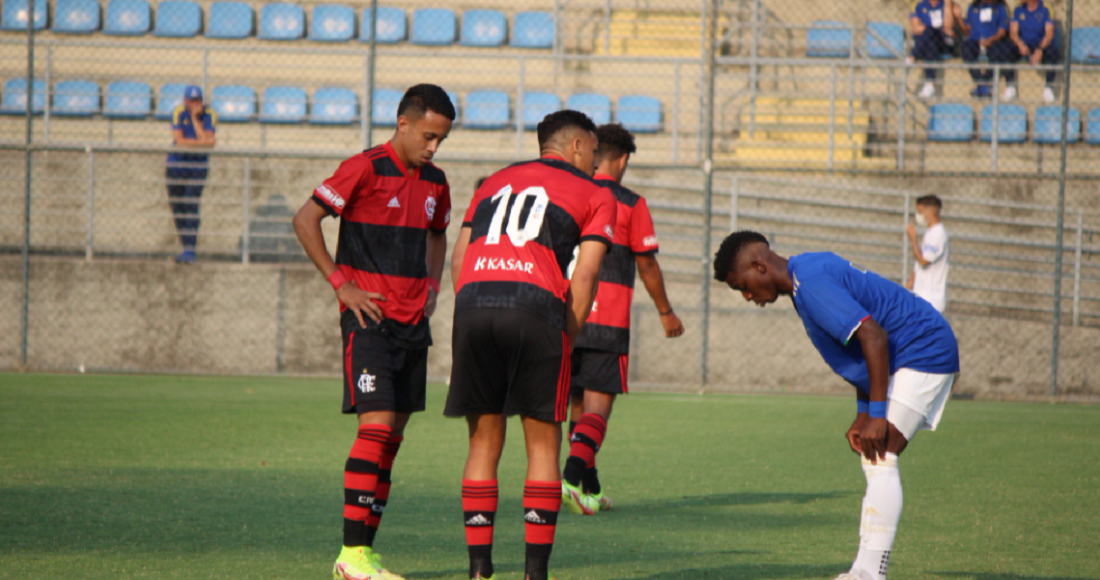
(600, 355)
(394, 207)
(516, 316)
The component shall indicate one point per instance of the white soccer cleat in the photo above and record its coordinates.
(847, 576)
(927, 91)
(1048, 95)
(1010, 93)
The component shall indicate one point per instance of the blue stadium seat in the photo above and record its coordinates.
(283, 105)
(454, 102)
(128, 100)
(178, 19)
(1011, 124)
(487, 110)
(597, 107)
(533, 30)
(639, 113)
(1048, 125)
(14, 101)
(384, 107)
(829, 38)
(76, 16)
(169, 97)
(392, 25)
(483, 28)
(334, 106)
(951, 122)
(536, 106)
(230, 20)
(14, 15)
(233, 103)
(75, 99)
(1085, 47)
(892, 43)
(433, 26)
(127, 18)
(332, 23)
(282, 21)
(1092, 127)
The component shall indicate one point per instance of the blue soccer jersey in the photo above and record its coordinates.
(1033, 25)
(834, 296)
(931, 15)
(986, 19)
(182, 120)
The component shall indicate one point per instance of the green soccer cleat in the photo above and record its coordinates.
(602, 500)
(376, 561)
(577, 501)
(355, 563)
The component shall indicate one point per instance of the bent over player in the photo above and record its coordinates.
(600, 357)
(516, 317)
(893, 347)
(394, 207)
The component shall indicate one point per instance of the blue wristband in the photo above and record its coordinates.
(877, 409)
(862, 406)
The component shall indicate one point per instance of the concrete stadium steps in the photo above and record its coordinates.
(652, 33)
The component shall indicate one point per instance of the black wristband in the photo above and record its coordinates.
(665, 313)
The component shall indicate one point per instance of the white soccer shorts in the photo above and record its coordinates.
(917, 400)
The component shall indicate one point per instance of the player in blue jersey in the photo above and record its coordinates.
(893, 347)
(193, 128)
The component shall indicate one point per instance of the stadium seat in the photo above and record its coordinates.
(892, 43)
(433, 27)
(454, 102)
(639, 113)
(128, 100)
(487, 110)
(283, 105)
(392, 25)
(178, 18)
(282, 21)
(1092, 127)
(1085, 47)
(75, 99)
(1011, 124)
(76, 16)
(384, 107)
(483, 28)
(334, 106)
(597, 107)
(331, 23)
(14, 101)
(829, 38)
(233, 103)
(230, 20)
(14, 15)
(127, 18)
(533, 30)
(169, 97)
(1048, 125)
(950, 122)
(536, 106)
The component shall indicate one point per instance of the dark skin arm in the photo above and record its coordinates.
(873, 432)
(650, 273)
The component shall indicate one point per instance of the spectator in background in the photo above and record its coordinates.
(929, 277)
(933, 26)
(986, 27)
(193, 127)
(1032, 34)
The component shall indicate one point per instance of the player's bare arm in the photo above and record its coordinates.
(307, 226)
(875, 345)
(911, 231)
(583, 286)
(436, 257)
(650, 272)
(203, 140)
(459, 254)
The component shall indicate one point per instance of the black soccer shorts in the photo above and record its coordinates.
(379, 375)
(508, 361)
(599, 370)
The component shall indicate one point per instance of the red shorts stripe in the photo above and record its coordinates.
(347, 368)
(562, 403)
(624, 366)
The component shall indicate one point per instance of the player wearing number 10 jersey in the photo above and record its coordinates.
(516, 317)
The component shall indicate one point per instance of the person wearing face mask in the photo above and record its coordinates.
(929, 277)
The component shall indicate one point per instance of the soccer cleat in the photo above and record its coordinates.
(376, 560)
(577, 501)
(602, 500)
(1048, 95)
(187, 257)
(927, 91)
(355, 563)
(847, 576)
(1010, 93)
(980, 92)
(480, 577)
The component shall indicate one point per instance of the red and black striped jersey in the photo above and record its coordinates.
(608, 327)
(385, 213)
(526, 222)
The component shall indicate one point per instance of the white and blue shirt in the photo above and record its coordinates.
(834, 297)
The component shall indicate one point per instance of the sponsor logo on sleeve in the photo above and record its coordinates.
(326, 193)
(610, 232)
(447, 217)
(649, 241)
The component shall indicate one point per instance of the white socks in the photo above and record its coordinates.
(879, 520)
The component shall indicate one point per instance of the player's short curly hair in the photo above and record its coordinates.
(615, 141)
(726, 257)
(930, 199)
(559, 121)
(420, 99)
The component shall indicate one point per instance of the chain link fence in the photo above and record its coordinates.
(815, 123)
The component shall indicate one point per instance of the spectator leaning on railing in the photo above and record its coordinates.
(193, 127)
(1032, 34)
(986, 27)
(933, 26)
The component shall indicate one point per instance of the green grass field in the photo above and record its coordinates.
(118, 477)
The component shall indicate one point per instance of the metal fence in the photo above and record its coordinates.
(807, 121)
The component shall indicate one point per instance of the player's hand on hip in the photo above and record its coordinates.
(361, 302)
(429, 305)
(872, 437)
(853, 433)
(672, 324)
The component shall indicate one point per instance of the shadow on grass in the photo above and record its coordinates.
(751, 498)
(999, 576)
(746, 571)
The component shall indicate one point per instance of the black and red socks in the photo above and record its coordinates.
(479, 510)
(361, 482)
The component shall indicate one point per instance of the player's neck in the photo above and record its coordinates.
(933, 221)
(409, 169)
(783, 281)
(606, 170)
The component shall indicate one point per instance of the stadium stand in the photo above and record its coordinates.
(662, 33)
(1049, 125)
(392, 25)
(487, 110)
(14, 15)
(829, 39)
(282, 21)
(950, 122)
(533, 30)
(433, 27)
(230, 20)
(1092, 127)
(128, 100)
(596, 106)
(536, 106)
(75, 99)
(384, 107)
(283, 105)
(334, 106)
(127, 18)
(14, 101)
(169, 97)
(884, 40)
(331, 23)
(1086, 45)
(483, 28)
(639, 113)
(178, 19)
(1011, 124)
(455, 102)
(76, 16)
(234, 103)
